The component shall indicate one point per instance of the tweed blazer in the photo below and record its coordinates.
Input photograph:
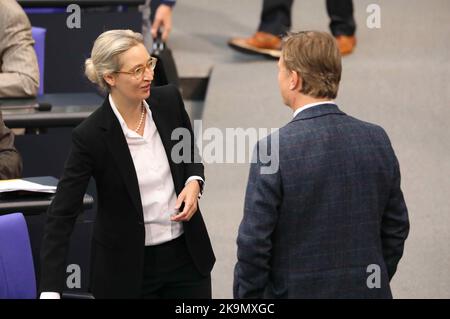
(19, 71)
(331, 222)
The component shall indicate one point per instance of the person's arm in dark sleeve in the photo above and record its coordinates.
(189, 157)
(394, 224)
(254, 243)
(194, 166)
(169, 3)
(62, 214)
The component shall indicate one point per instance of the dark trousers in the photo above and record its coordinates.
(276, 17)
(169, 273)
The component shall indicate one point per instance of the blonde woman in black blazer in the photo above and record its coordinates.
(140, 248)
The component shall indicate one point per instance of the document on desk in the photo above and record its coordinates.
(20, 185)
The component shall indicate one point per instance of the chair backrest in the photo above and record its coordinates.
(17, 277)
(39, 46)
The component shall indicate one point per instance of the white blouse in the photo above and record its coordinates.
(156, 186)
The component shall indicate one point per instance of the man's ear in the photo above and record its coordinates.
(110, 79)
(295, 81)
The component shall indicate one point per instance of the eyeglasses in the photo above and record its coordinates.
(138, 73)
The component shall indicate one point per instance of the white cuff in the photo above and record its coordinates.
(50, 295)
(198, 178)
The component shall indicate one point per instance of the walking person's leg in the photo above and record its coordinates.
(275, 22)
(276, 17)
(342, 24)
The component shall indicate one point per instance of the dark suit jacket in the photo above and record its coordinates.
(333, 208)
(99, 149)
(10, 160)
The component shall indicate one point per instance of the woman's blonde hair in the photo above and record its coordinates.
(105, 54)
(315, 57)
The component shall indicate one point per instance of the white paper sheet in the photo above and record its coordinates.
(12, 185)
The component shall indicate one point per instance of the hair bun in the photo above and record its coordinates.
(90, 72)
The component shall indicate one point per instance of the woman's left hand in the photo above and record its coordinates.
(189, 195)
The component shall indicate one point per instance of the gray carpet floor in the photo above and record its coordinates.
(398, 77)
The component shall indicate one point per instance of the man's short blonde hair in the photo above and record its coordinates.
(316, 58)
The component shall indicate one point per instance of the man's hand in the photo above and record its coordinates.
(189, 195)
(163, 19)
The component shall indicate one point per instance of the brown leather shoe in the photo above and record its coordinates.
(262, 43)
(346, 44)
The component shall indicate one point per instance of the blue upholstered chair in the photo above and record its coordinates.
(17, 277)
(39, 46)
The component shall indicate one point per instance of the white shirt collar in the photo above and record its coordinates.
(310, 105)
(124, 126)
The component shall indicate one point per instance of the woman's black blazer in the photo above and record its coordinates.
(99, 149)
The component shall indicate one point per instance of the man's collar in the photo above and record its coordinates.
(307, 106)
(318, 111)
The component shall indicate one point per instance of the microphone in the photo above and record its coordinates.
(43, 107)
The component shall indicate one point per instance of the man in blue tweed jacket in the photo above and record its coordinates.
(331, 221)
